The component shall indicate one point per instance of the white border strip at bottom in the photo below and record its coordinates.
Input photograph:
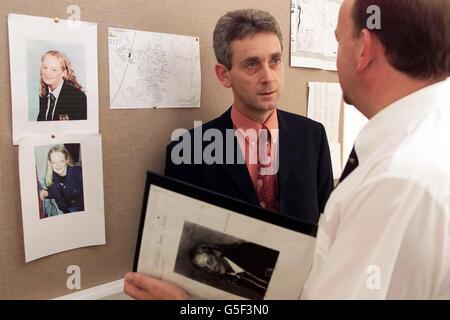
(95, 293)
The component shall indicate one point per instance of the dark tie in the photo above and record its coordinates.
(52, 106)
(266, 184)
(351, 165)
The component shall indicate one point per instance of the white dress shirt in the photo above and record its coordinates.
(385, 232)
(234, 266)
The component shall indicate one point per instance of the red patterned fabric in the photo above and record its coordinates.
(266, 184)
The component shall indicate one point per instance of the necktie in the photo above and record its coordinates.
(351, 165)
(52, 106)
(266, 184)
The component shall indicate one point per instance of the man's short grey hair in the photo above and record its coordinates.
(238, 24)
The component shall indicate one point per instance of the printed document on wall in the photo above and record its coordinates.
(153, 70)
(324, 106)
(313, 43)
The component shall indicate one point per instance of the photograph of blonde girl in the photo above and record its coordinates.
(62, 189)
(61, 96)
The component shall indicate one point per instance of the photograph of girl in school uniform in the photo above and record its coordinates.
(56, 81)
(54, 76)
(60, 179)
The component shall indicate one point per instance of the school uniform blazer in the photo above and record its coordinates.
(71, 105)
(305, 178)
(68, 192)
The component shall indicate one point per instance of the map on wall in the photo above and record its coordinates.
(153, 70)
(313, 44)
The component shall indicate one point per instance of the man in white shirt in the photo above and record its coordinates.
(385, 232)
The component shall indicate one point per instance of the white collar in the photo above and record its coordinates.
(57, 91)
(234, 266)
(396, 118)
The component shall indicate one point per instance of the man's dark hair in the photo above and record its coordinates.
(415, 34)
(238, 24)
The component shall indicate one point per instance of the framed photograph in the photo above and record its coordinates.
(216, 247)
(54, 80)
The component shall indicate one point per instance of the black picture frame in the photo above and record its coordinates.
(237, 206)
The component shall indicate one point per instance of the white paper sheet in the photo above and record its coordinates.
(324, 106)
(29, 39)
(153, 70)
(313, 43)
(354, 121)
(336, 160)
(43, 235)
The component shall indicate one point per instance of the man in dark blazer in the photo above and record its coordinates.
(251, 257)
(248, 47)
(305, 179)
(250, 63)
(70, 105)
(244, 264)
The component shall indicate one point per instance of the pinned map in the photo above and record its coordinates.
(153, 70)
(313, 44)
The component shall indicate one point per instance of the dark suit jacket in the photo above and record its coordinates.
(253, 258)
(305, 178)
(71, 105)
(258, 263)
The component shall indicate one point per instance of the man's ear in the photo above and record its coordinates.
(366, 52)
(222, 75)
